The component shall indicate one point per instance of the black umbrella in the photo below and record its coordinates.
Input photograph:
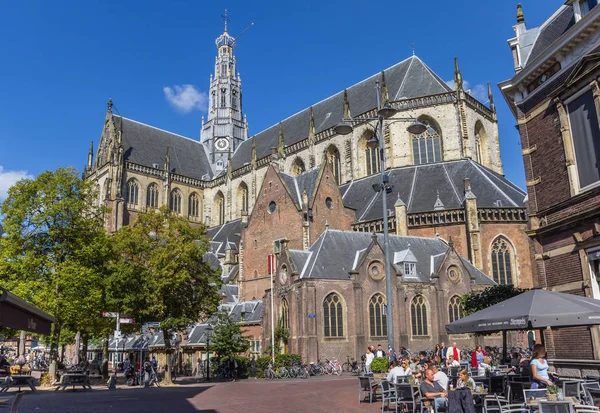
(533, 309)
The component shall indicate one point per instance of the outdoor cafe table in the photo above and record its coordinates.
(73, 378)
(18, 380)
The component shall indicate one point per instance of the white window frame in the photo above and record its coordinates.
(594, 278)
(410, 269)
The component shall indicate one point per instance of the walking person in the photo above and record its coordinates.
(443, 351)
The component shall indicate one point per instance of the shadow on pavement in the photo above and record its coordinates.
(164, 399)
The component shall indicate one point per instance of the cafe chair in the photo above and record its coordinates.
(388, 395)
(534, 394)
(556, 406)
(405, 395)
(509, 408)
(366, 385)
(572, 388)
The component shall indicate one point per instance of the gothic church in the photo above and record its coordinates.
(303, 193)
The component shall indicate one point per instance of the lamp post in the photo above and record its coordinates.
(209, 330)
(385, 111)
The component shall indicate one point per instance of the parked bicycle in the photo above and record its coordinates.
(351, 365)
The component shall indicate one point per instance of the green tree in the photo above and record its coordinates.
(160, 274)
(479, 300)
(55, 249)
(228, 337)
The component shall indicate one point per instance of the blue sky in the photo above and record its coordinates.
(62, 60)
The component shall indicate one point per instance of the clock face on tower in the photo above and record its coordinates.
(222, 144)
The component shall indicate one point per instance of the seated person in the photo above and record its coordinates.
(396, 371)
(515, 360)
(4, 364)
(440, 377)
(432, 390)
(464, 380)
(420, 372)
(450, 362)
(486, 365)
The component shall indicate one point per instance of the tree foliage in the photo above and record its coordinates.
(479, 300)
(55, 250)
(228, 337)
(160, 274)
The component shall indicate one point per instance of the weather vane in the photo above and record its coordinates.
(225, 19)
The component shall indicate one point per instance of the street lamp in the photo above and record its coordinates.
(344, 128)
(209, 330)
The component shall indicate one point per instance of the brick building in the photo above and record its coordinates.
(555, 97)
(292, 180)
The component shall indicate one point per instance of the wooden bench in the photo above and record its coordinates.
(17, 380)
(10, 401)
(73, 380)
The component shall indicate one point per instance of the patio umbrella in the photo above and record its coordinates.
(21, 351)
(533, 309)
(75, 360)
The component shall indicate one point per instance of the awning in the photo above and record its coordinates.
(533, 309)
(21, 315)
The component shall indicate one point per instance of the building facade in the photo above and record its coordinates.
(555, 97)
(288, 183)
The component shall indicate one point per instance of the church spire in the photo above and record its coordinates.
(520, 15)
(225, 126)
(458, 80)
(491, 98)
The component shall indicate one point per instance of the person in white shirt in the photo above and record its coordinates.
(482, 367)
(379, 352)
(395, 372)
(440, 377)
(450, 362)
(369, 359)
(453, 351)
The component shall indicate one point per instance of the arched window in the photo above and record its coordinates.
(480, 143)
(333, 156)
(223, 97)
(298, 167)
(285, 314)
(372, 160)
(152, 196)
(427, 147)
(234, 99)
(219, 206)
(478, 156)
(107, 194)
(454, 309)
(194, 205)
(333, 317)
(502, 261)
(133, 190)
(242, 197)
(377, 316)
(418, 316)
(175, 201)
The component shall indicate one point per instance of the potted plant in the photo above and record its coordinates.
(379, 367)
(552, 392)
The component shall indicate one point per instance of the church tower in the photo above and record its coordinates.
(225, 128)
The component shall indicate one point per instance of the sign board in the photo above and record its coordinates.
(118, 335)
(109, 314)
(126, 320)
(312, 316)
(153, 324)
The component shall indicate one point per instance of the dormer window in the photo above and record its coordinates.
(586, 6)
(407, 262)
(410, 269)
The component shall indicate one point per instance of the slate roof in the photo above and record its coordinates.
(230, 291)
(221, 234)
(147, 145)
(418, 186)
(554, 27)
(334, 253)
(197, 336)
(407, 79)
(306, 181)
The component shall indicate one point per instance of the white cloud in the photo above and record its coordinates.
(186, 98)
(8, 179)
(478, 91)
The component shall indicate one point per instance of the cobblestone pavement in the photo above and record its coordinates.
(322, 394)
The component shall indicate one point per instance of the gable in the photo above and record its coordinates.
(588, 64)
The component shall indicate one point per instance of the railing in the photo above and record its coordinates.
(480, 107)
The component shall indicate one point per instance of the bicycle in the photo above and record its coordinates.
(271, 375)
(350, 366)
(316, 369)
